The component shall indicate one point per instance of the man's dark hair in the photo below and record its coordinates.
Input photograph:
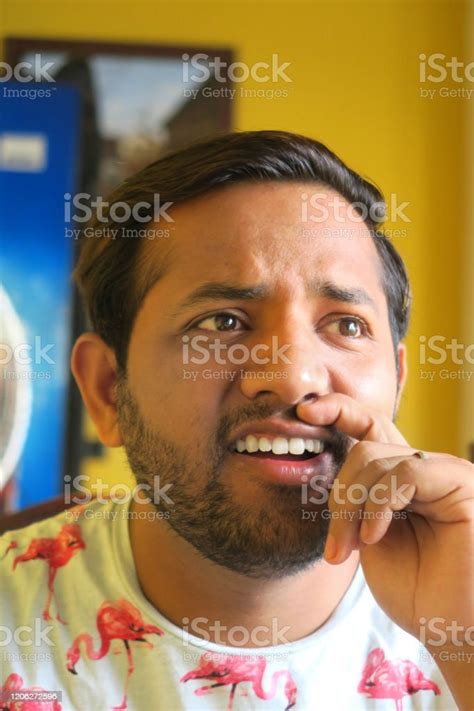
(109, 270)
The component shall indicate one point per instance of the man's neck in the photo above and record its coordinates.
(229, 608)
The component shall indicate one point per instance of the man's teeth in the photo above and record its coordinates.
(279, 445)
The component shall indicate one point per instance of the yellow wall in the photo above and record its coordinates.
(354, 67)
(467, 415)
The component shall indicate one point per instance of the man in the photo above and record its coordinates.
(286, 546)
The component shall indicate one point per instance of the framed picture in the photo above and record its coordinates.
(136, 102)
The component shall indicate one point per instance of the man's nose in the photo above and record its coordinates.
(294, 368)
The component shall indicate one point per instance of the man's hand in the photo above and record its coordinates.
(419, 566)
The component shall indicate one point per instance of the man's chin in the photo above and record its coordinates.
(269, 535)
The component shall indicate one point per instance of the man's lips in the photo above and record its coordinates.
(285, 469)
(281, 457)
(282, 452)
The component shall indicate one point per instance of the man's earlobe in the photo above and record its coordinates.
(402, 370)
(94, 367)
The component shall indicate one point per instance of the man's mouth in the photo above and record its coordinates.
(283, 452)
(283, 448)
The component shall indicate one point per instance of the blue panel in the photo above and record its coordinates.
(38, 164)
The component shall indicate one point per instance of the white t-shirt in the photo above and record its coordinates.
(359, 659)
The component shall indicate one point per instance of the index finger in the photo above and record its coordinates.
(351, 417)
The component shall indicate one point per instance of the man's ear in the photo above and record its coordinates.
(94, 367)
(402, 371)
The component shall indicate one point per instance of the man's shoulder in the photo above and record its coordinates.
(69, 519)
(57, 540)
(41, 565)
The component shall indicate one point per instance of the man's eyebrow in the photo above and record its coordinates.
(218, 291)
(348, 295)
(222, 291)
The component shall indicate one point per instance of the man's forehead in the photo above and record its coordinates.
(255, 234)
(251, 206)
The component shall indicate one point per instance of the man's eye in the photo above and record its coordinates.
(349, 327)
(220, 322)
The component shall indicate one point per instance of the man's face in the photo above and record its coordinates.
(245, 269)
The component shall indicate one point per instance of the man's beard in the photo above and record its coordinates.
(265, 538)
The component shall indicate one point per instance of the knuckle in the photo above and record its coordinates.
(363, 452)
(378, 467)
(406, 469)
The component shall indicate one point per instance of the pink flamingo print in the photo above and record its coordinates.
(14, 682)
(382, 679)
(229, 669)
(56, 551)
(115, 620)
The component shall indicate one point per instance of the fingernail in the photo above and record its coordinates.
(309, 401)
(330, 550)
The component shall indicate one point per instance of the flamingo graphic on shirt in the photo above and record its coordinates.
(14, 683)
(115, 620)
(383, 679)
(57, 551)
(231, 670)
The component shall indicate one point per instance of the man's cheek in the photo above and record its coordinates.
(377, 389)
(190, 406)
